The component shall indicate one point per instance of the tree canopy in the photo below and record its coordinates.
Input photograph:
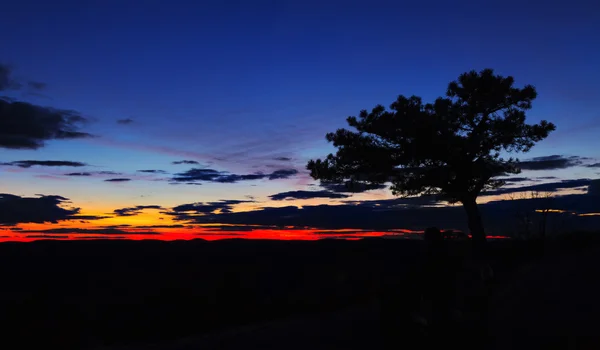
(451, 148)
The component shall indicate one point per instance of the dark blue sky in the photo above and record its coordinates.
(235, 84)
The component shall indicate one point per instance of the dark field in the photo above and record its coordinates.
(82, 294)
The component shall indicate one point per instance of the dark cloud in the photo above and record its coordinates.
(212, 175)
(395, 203)
(594, 189)
(386, 215)
(125, 121)
(551, 162)
(246, 228)
(78, 174)
(307, 195)
(118, 180)
(16, 209)
(186, 162)
(224, 206)
(98, 231)
(27, 126)
(54, 163)
(544, 187)
(36, 85)
(282, 174)
(515, 179)
(159, 226)
(152, 171)
(111, 173)
(132, 211)
(6, 80)
(594, 165)
(85, 218)
(352, 188)
(283, 159)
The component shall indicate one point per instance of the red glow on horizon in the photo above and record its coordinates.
(206, 233)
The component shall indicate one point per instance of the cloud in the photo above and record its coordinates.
(110, 173)
(307, 195)
(354, 188)
(92, 231)
(212, 175)
(515, 179)
(224, 206)
(6, 80)
(186, 162)
(36, 85)
(551, 162)
(283, 159)
(594, 165)
(246, 228)
(594, 188)
(384, 215)
(16, 209)
(8, 83)
(544, 187)
(83, 218)
(120, 179)
(282, 174)
(51, 163)
(152, 171)
(27, 126)
(125, 121)
(160, 226)
(132, 211)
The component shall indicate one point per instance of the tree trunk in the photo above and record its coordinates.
(475, 226)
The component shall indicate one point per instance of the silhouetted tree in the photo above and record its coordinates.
(450, 148)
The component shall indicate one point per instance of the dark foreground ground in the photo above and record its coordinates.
(256, 294)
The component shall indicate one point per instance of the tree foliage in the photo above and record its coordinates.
(451, 148)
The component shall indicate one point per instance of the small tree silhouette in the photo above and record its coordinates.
(526, 217)
(450, 148)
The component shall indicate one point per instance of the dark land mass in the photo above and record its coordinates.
(90, 294)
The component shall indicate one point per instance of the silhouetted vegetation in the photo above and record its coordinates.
(450, 148)
(78, 294)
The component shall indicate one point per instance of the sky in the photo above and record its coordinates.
(188, 101)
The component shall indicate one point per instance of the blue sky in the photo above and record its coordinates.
(235, 84)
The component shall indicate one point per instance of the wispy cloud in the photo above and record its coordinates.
(152, 171)
(306, 195)
(212, 175)
(544, 187)
(224, 206)
(132, 211)
(125, 121)
(190, 162)
(120, 179)
(552, 162)
(91, 231)
(48, 163)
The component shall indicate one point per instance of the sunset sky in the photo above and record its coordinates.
(222, 103)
